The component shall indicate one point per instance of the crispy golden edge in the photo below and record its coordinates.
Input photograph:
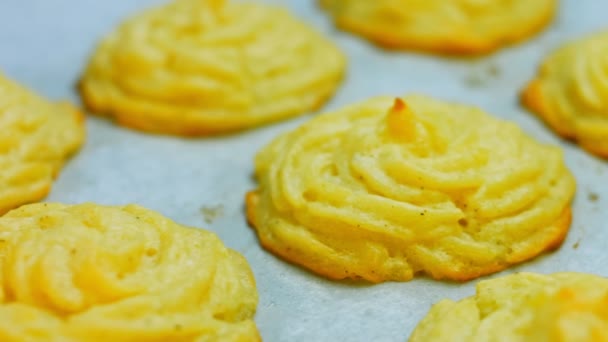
(290, 253)
(34, 197)
(551, 242)
(457, 46)
(139, 122)
(43, 192)
(534, 99)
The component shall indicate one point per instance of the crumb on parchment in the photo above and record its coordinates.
(211, 213)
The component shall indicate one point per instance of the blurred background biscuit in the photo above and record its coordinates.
(570, 92)
(454, 26)
(196, 67)
(523, 307)
(36, 137)
(107, 273)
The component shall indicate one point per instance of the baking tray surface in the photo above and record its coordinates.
(201, 182)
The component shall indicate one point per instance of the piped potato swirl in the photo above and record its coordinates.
(524, 307)
(389, 188)
(36, 137)
(195, 67)
(455, 26)
(570, 92)
(98, 273)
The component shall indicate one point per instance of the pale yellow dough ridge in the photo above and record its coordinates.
(570, 92)
(100, 273)
(444, 26)
(525, 307)
(195, 67)
(388, 188)
(36, 137)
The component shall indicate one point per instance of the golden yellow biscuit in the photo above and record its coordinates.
(99, 273)
(443, 26)
(570, 92)
(570, 307)
(389, 188)
(36, 137)
(195, 67)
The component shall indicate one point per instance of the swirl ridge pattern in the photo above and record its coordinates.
(97, 273)
(388, 188)
(36, 137)
(195, 67)
(523, 307)
(456, 26)
(570, 92)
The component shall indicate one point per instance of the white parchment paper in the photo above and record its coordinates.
(44, 44)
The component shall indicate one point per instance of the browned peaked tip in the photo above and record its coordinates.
(399, 104)
(400, 120)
